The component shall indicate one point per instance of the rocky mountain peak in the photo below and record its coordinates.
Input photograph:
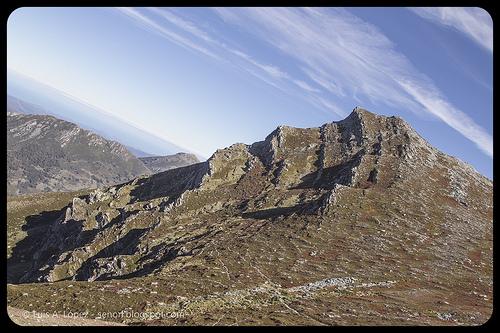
(298, 175)
(360, 113)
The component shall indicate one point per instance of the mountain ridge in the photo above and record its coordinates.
(46, 154)
(48, 99)
(303, 217)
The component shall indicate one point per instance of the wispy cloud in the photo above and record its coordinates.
(343, 53)
(305, 86)
(327, 83)
(183, 24)
(217, 49)
(147, 23)
(273, 71)
(476, 23)
(335, 55)
(430, 99)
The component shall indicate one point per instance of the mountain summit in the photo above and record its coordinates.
(309, 219)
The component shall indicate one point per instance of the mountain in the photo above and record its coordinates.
(46, 154)
(89, 119)
(49, 100)
(16, 105)
(358, 221)
(138, 153)
(162, 163)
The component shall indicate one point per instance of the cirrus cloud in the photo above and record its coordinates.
(334, 54)
(475, 23)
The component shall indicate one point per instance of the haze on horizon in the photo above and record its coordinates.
(205, 78)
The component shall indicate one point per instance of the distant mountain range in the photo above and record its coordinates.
(47, 154)
(138, 152)
(163, 163)
(48, 100)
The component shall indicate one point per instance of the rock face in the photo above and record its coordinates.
(47, 154)
(158, 164)
(365, 201)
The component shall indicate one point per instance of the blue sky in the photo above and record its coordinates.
(204, 78)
